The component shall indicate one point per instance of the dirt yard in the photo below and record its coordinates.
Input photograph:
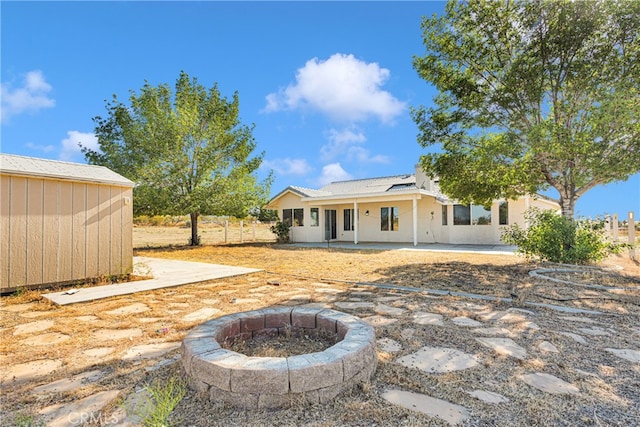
(595, 357)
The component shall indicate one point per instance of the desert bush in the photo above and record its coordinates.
(281, 230)
(553, 237)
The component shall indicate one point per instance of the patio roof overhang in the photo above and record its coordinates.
(385, 196)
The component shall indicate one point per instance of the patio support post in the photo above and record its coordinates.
(415, 221)
(355, 222)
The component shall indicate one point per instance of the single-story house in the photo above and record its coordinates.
(397, 209)
(62, 222)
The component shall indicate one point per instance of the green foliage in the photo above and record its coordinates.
(27, 420)
(281, 230)
(187, 151)
(158, 403)
(531, 95)
(556, 238)
(266, 215)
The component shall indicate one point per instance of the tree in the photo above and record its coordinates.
(187, 152)
(531, 94)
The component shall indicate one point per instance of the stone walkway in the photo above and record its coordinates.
(431, 336)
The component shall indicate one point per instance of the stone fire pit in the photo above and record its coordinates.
(272, 382)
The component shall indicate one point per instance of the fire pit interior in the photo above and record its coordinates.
(271, 382)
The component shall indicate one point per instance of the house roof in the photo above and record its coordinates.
(44, 168)
(371, 185)
(397, 185)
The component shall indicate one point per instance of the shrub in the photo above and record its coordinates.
(281, 230)
(555, 238)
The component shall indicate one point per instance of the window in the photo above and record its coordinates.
(445, 217)
(389, 219)
(348, 220)
(298, 217)
(293, 217)
(461, 215)
(315, 217)
(287, 217)
(503, 213)
(480, 215)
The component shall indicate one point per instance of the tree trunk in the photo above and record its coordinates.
(567, 204)
(195, 239)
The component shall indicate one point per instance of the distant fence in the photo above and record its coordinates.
(623, 230)
(162, 231)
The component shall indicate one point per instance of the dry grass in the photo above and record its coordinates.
(609, 386)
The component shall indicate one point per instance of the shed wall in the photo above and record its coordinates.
(57, 231)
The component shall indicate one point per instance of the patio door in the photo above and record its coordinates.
(330, 224)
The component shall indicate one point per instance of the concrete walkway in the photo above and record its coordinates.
(166, 273)
(429, 247)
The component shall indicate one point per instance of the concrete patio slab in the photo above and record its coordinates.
(166, 273)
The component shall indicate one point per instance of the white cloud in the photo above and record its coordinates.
(40, 148)
(342, 87)
(70, 147)
(339, 143)
(288, 166)
(347, 144)
(362, 155)
(331, 173)
(31, 97)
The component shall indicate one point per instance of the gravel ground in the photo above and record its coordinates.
(608, 385)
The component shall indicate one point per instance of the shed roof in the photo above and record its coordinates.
(44, 168)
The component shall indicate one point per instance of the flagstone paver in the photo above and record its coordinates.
(28, 371)
(150, 351)
(439, 360)
(577, 338)
(493, 331)
(577, 319)
(98, 352)
(407, 333)
(424, 318)
(116, 334)
(202, 314)
(504, 346)
(129, 309)
(379, 321)
(594, 331)
(350, 305)
(489, 396)
(547, 347)
(389, 345)
(88, 319)
(69, 384)
(465, 321)
(446, 411)
(384, 309)
(626, 353)
(80, 411)
(549, 383)
(38, 326)
(49, 338)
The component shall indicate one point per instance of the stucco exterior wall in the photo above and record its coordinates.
(430, 228)
(60, 231)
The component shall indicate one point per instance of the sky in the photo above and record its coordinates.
(328, 85)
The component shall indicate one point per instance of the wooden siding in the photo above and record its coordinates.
(60, 231)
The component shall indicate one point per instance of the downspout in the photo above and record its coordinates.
(355, 222)
(415, 220)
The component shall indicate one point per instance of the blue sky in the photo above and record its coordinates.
(328, 85)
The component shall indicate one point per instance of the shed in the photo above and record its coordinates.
(62, 222)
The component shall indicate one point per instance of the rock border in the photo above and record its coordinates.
(276, 382)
